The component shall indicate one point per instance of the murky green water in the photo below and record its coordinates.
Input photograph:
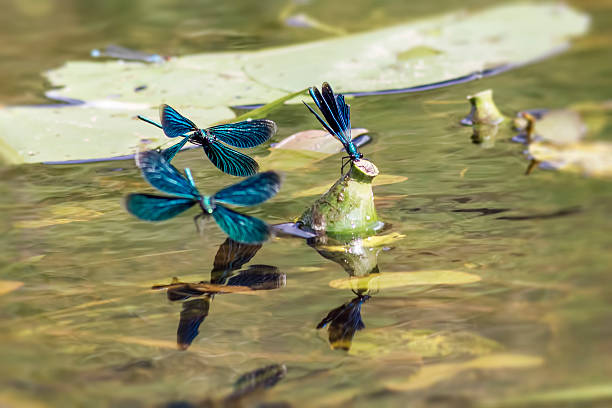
(86, 330)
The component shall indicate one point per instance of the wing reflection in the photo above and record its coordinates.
(343, 322)
(225, 277)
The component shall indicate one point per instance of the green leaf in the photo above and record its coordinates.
(263, 111)
(417, 53)
(36, 135)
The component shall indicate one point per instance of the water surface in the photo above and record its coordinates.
(86, 330)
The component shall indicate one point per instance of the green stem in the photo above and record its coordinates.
(347, 209)
(484, 111)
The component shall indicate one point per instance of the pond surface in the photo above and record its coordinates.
(86, 329)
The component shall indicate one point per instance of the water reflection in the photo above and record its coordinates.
(246, 388)
(357, 260)
(342, 322)
(230, 257)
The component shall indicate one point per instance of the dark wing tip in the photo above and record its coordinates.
(326, 88)
(275, 177)
(273, 126)
(162, 107)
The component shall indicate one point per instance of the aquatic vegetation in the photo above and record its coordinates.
(482, 288)
(347, 209)
(554, 138)
(244, 134)
(111, 91)
(166, 178)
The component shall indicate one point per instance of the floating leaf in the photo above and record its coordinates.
(430, 51)
(432, 374)
(591, 159)
(561, 126)
(263, 111)
(427, 51)
(9, 286)
(316, 141)
(33, 135)
(398, 279)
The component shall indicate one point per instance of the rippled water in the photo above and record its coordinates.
(86, 329)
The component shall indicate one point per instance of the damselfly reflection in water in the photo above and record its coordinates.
(247, 389)
(344, 321)
(245, 134)
(231, 256)
(165, 177)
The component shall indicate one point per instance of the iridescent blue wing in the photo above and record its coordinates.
(340, 122)
(329, 110)
(345, 114)
(248, 133)
(173, 123)
(240, 227)
(230, 161)
(164, 176)
(252, 191)
(156, 208)
(170, 152)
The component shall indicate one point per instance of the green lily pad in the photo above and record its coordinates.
(417, 53)
(34, 135)
(462, 43)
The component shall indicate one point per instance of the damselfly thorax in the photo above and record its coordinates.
(202, 137)
(207, 204)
